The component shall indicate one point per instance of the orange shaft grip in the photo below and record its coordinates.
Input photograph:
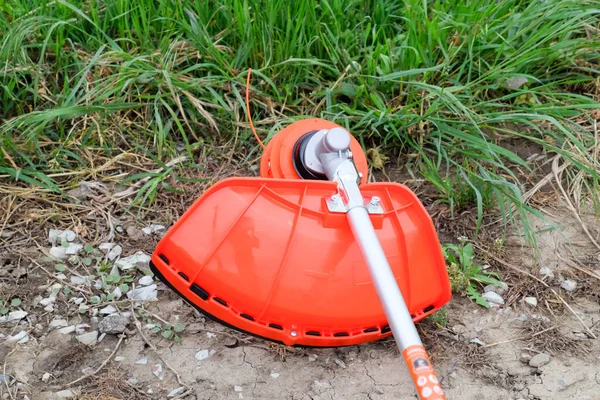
(422, 373)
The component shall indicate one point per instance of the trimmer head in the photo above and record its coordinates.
(268, 257)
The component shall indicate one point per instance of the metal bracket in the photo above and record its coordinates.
(336, 204)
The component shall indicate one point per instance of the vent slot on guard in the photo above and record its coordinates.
(246, 239)
(203, 294)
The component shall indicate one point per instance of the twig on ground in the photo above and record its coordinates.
(558, 296)
(520, 338)
(81, 378)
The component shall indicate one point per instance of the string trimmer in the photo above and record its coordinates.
(310, 253)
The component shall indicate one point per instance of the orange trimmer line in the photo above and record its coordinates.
(248, 109)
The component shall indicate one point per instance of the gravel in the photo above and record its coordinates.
(539, 360)
(531, 301)
(114, 324)
(493, 298)
(569, 285)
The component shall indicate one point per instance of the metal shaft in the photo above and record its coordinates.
(395, 309)
(332, 151)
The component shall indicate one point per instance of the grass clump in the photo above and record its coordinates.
(466, 276)
(448, 83)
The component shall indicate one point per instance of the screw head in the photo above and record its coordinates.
(375, 201)
(294, 333)
(335, 198)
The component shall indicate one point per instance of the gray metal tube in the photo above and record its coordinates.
(398, 316)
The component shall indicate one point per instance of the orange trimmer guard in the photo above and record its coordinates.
(267, 257)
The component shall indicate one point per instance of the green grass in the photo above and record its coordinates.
(427, 78)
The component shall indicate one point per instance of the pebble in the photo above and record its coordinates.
(21, 337)
(59, 323)
(204, 354)
(67, 330)
(493, 297)
(114, 253)
(501, 289)
(157, 370)
(73, 249)
(58, 252)
(13, 316)
(312, 358)
(531, 301)
(47, 301)
(79, 280)
(150, 229)
(146, 280)
(477, 341)
(80, 329)
(546, 273)
(108, 310)
(106, 246)
(60, 277)
(146, 293)
(46, 377)
(340, 363)
(569, 285)
(539, 360)
(275, 375)
(119, 358)
(115, 323)
(238, 388)
(65, 394)
(89, 338)
(55, 235)
(142, 361)
(131, 261)
(176, 392)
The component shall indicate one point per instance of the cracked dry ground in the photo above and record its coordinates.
(217, 363)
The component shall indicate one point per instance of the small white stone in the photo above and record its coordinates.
(79, 280)
(176, 392)
(153, 228)
(131, 261)
(89, 338)
(114, 252)
(13, 316)
(569, 285)
(78, 300)
(65, 394)
(119, 358)
(493, 297)
(49, 308)
(340, 363)
(108, 310)
(202, 355)
(67, 330)
(274, 375)
(58, 323)
(501, 289)
(59, 252)
(477, 341)
(146, 280)
(56, 235)
(238, 388)
(60, 276)
(19, 337)
(146, 293)
(142, 361)
(73, 249)
(46, 377)
(531, 301)
(47, 301)
(105, 247)
(211, 335)
(546, 273)
(80, 329)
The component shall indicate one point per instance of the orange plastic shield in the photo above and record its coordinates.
(267, 257)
